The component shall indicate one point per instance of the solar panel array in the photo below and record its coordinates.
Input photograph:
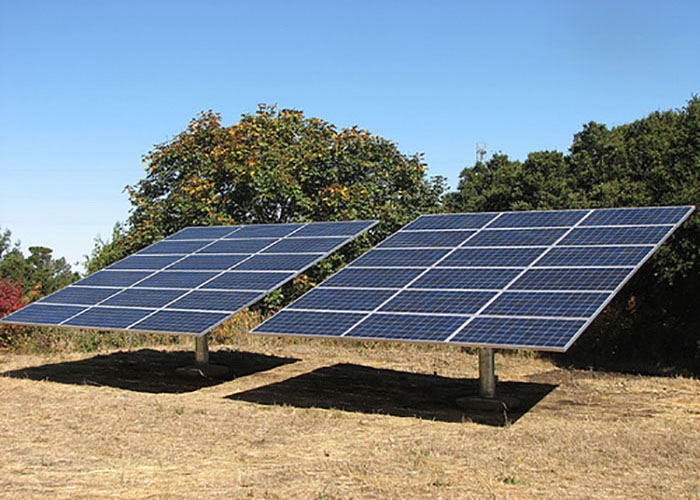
(509, 280)
(193, 280)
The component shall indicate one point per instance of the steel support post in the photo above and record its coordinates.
(201, 350)
(487, 376)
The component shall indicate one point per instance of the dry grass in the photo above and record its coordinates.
(325, 420)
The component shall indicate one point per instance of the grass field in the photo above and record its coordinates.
(326, 420)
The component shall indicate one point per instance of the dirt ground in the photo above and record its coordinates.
(325, 420)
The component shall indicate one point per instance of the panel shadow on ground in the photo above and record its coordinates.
(364, 389)
(148, 370)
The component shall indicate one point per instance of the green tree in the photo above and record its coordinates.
(653, 161)
(273, 166)
(39, 273)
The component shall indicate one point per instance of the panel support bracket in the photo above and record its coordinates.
(488, 399)
(202, 368)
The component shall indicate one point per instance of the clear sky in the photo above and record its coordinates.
(86, 88)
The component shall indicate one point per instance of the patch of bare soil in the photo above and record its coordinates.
(327, 420)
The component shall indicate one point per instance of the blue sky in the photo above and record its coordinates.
(86, 88)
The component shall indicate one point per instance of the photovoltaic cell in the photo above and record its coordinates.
(644, 216)
(305, 245)
(44, 314)
(145, 262)
(248, 281)
(517, 280)
(202, 233)
(216, 301)
(594, 256)
(182, 247)
(108, 317)
(180, 321)
(207, 262)
(399, 258)
(367, 278)
(192, 280)
(420, 328)
(425, 239)
(342, 300)
(554, 218)
(312, 323)
(516, 237)
(79, 295)
(452, 221)
(491, 257)
(448, 302)
(176, 279)
(641, 235)
(143, 297)
(571, 279)
(546, 304)
(466, 278)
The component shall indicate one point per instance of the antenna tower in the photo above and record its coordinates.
(480, 152)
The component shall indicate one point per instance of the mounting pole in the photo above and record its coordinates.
(201, 350)
(487, 375)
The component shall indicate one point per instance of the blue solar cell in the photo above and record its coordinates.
(399, 258)
(182, 247)
(522, 332)
(328, 324)
(425, 239)
(108, 317)
(334, 299)
(265, 231)
(277, 262)
(573, 305)
(421, 301)
(478, 257)
(144, 297)
(238, 246)
(343, 228)
(423, 328)
(203, 233)
(177, 279)
(466, 278)
(643, 235)
(305, 245)
(594, 256)
(207, 262)
(145, 262)
(42, 314)
(248, 281)
(452, 221)
(184, 322)
(216, 301)
(515, 237)
(571, 279)
(385, 278)
(539, 219)
(625, 216)
(79, 295)
(113, 278)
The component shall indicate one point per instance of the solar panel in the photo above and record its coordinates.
(530, 280)
(193, 280)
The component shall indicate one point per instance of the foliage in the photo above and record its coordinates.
(653, 161)
(39, 273)
(273, 166)
(11, 298)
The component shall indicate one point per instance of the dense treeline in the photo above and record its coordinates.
(653, 161)
(281, 166)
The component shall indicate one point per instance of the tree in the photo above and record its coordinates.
(273, 166)
(653, 161)
(39, 274)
